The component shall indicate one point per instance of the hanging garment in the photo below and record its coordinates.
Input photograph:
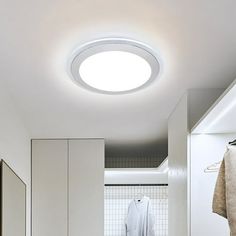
(224, 201)
(140, 220)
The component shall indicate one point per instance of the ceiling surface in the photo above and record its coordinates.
(196, 41)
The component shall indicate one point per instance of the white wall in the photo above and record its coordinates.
(206, 150)
(177, 178)
(15, 143)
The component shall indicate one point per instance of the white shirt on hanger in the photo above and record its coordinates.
(140, 219)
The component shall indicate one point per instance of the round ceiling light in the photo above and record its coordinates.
(114, 66)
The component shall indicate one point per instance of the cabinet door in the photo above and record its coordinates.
(86, 187)
(49, 187)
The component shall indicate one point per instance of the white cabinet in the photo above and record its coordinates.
(209, 138)
(67, 187)
(200, 128)
(86, 187)
(187, 112)
(49, 187)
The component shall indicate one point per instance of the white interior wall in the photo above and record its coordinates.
(15, 143)
(177, 177)
(206, 150)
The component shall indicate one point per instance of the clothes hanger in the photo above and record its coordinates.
(233, 142)
(213, 168)
(216, 166)
(139, 196)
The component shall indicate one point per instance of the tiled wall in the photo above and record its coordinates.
(133, 162)
(117, 199)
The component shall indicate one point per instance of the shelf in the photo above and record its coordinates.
(138, 175)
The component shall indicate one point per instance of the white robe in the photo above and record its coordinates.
(140, 219)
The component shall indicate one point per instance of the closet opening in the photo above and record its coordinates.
(212, 168)
(135, 196)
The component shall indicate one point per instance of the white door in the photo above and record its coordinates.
(86, 187)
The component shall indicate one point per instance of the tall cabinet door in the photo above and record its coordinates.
(86, 187)
(49, 187)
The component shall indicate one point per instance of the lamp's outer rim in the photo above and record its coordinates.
(114, 44)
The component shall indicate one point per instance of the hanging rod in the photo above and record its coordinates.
(109, 185)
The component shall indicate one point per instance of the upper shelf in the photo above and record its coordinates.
(138, 175)
(221, 117)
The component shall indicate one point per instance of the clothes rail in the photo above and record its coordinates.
(107, 185)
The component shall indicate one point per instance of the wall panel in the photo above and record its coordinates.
(49, 187)
(86, 187)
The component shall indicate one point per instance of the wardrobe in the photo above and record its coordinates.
(209, 139)
(199, 130)
(68, 187)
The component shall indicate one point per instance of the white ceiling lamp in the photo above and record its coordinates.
(114, 66)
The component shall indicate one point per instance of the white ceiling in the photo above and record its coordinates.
(195, 39)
